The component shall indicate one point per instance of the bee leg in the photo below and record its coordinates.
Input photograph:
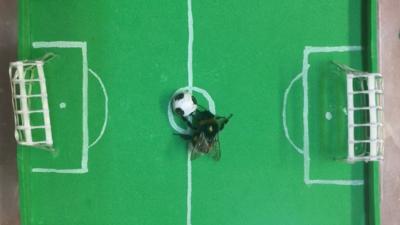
(222, 121)
(223, 117)
(188, 123)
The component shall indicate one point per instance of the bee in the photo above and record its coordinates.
(204, 125)
(203, 137)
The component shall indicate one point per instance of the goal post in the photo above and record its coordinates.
(30, 104)
(367, 87)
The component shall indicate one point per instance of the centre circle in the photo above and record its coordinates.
(211, 107)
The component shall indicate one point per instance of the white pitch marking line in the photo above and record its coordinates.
(103, 128)
(337, 182)
(63, 105)
(307, 51)
(85, 130)
(189, 190)
(85, 120)
(306, 154)
(285, 128)
(328, 115)
(190, 88)
(190, 85)
(70, 171)
(190, 44)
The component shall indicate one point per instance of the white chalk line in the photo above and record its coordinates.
(190, 44)
(70, 171)
(190, 86)
(306, 148)
(85, 130)
(285, 128)
(171, 120)
(189, 190)
(85, 120)
(103, 128)
(59, 44)
(337, 182)
(328, 115)
(306, 154)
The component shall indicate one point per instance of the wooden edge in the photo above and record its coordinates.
(372, 177)
(23, 161)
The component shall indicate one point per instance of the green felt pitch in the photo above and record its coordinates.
(116, 159)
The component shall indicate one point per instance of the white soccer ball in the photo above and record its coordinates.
(184, 103)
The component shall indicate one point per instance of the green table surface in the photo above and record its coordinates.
(245, 55)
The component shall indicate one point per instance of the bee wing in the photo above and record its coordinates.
(196, 146)
(216, 150)
(201, 144)
(194, 154)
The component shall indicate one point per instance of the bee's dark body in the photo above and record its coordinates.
(204, 125)
(203, 138)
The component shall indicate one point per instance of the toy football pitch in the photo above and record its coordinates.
(115, 158)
